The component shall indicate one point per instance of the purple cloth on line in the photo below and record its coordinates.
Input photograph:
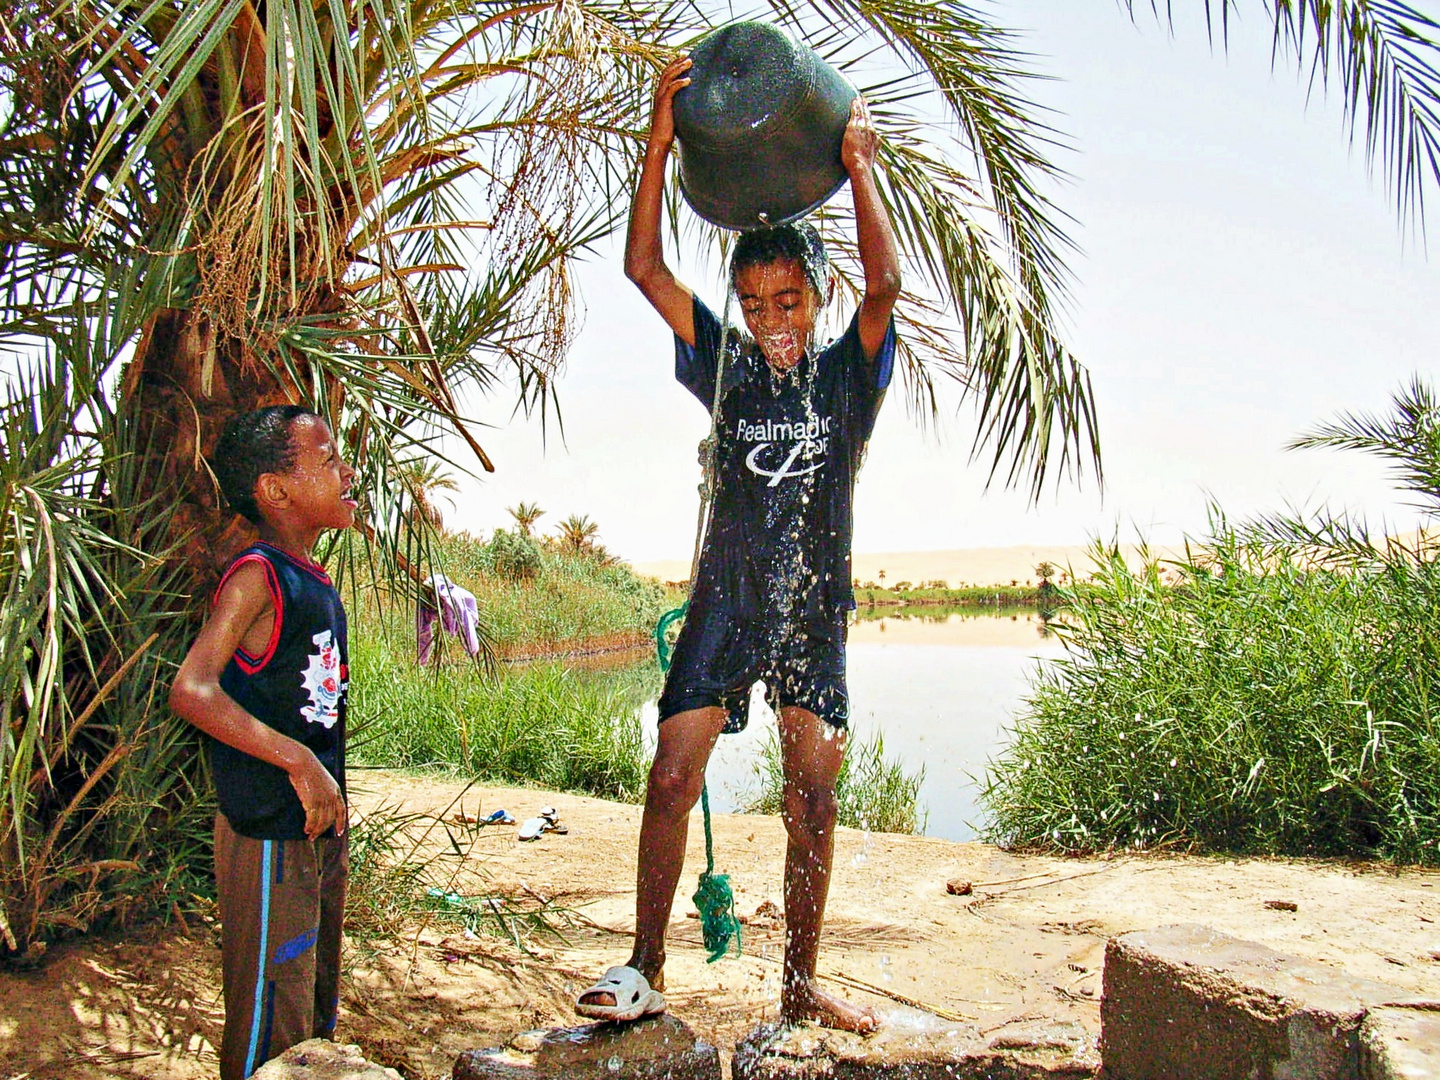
(458, 614)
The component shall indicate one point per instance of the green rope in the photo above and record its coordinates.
(713, 899)
(663, 649)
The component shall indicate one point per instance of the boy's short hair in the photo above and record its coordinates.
(252, 444)
(798, 241)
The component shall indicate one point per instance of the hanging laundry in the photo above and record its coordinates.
(455, 609)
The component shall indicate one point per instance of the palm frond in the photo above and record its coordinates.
(1408, 436)
(1034, 404)
(1385, 57)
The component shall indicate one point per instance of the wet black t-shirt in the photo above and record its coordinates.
(297, 686)
(790, 446)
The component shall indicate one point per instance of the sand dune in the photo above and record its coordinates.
(983, 566)
(960, 566)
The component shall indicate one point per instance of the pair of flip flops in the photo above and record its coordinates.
(536, 827)
(497, 817)
(631, 992)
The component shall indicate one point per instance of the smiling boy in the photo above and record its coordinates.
(773, 587)
(266, 681)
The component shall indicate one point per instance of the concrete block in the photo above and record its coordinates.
(659, 1048)
(916, 1046)
(1188, 1003)
(1400, 1044)
(321, 1059)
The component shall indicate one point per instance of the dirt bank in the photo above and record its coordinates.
(1027, 942)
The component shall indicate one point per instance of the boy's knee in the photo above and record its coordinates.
(674, 785)
(810, 808)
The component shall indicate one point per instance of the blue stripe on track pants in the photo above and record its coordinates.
(282, 903)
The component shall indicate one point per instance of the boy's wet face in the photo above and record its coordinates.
(781, 309)
(317, 485)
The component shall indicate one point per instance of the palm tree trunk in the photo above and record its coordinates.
(182, 386)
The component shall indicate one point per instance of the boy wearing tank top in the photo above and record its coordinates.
(265, 680)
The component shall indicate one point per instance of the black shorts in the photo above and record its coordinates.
(718, 658)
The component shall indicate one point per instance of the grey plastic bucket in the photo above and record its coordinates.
(760, 128)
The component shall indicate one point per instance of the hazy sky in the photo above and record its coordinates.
(1240, 279)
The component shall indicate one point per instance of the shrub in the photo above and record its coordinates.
(1257, 706)
(539, 724)
(513, 556)
(1274, 695)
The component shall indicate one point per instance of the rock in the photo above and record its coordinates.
(1400, 1044)
(660, 1048)
(321, 1059)
(1282, 905)
(959, 887)
(527, 1042)
(916, 1046)
(1188, 1003)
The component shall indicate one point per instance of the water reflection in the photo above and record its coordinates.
(942, 612)
(1011, 627)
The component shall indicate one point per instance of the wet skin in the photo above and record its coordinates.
(299, 504)
(780, 307)
(811, 752)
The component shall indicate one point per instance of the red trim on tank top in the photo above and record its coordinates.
(249, 663)
(310, 566)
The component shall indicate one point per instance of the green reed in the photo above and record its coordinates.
(538, 724)
(534, 598)
(1260, 700)
(966, 596)
(874, 792)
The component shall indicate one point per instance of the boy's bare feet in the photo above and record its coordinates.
(806, 1001)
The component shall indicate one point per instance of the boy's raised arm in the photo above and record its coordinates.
(644, 253)
(197, 696)
(874, 235)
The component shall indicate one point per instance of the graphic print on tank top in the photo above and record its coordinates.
(324, 680)
(296, 686)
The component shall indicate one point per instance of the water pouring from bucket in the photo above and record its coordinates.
(760, 128)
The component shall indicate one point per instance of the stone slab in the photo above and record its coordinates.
(1189, 1003)
(321, 1059)
(659, 1048)
(1400, 1044)
(916, 1046)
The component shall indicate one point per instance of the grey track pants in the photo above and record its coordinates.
(282, 903)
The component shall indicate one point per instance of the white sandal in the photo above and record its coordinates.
(633, 996)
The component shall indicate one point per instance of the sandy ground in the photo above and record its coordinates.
(1027, 942)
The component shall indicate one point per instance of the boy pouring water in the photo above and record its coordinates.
(773, 587)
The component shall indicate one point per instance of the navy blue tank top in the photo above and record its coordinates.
(296, 686)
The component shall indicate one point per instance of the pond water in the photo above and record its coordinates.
(939, 688)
